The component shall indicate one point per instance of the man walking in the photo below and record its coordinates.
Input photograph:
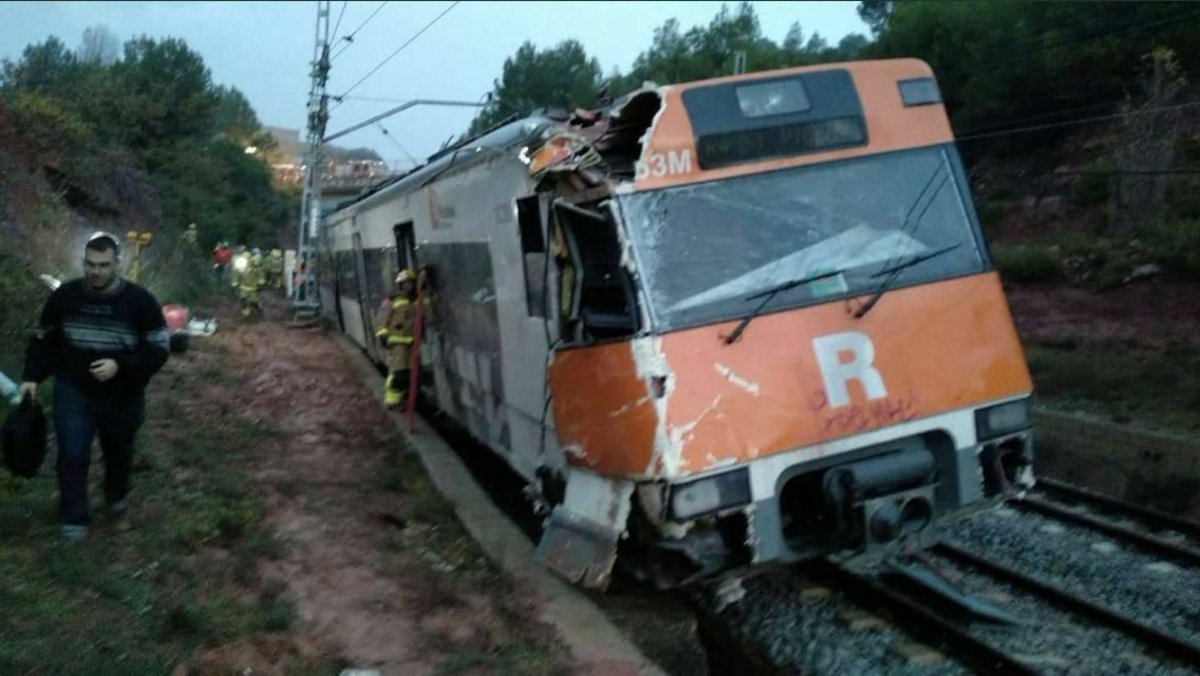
(102, 338)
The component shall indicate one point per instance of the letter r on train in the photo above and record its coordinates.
(838, 369)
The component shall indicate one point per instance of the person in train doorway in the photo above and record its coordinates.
(102, 338)
(396, 322)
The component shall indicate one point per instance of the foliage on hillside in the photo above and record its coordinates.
(93, 140)
(564, 76)
(146, 141)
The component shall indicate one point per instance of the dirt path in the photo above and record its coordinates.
(375, 563)
(1149, 315)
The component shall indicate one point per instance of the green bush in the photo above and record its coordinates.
(1027, 263)
(992, 212)
(1173, 244)
(1094, 186)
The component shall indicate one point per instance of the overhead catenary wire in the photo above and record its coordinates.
(349, 39)
(398, 50)
(1085, 120)
(338, 25)
(396, 143)
(1011, 123)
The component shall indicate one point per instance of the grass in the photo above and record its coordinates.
(1027, 263)
(142, 602)
(1151, 388)
(435, 547)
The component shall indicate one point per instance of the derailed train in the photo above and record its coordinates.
(714, 325)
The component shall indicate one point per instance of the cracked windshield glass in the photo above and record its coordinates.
(705, 249)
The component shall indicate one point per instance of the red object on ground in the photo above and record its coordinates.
(176, 317)
(414, 359)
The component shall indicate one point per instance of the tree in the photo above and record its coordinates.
(99, 45)
(709, 51)
(234, 117)
(1148, 134)
(1000, 60)
(45, 68)
(876, 14)
(166, 94)
(562, 76)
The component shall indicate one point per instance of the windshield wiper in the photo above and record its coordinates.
(768, 295)
(894, 274)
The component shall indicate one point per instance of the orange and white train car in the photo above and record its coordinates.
(769, 326)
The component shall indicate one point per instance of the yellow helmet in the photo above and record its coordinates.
(406, 275)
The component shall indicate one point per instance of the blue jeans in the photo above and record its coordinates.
(79, 416)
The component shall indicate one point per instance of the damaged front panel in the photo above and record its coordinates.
(580, 539)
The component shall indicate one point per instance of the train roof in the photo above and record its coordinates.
(511, 135)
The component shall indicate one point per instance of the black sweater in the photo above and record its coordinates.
(79, 326)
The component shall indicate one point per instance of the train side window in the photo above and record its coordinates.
(598, 293)
(533, 254)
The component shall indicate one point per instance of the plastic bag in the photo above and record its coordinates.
(24, 439)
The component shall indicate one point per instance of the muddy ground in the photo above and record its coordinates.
(1153, 314)
(378, 569)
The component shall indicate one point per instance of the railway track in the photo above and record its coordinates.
(1054, 630)
(1052, 563)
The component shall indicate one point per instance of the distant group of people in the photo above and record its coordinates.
(248, 272)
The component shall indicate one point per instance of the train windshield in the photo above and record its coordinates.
(707, 251)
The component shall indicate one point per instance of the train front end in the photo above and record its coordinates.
(826, 363)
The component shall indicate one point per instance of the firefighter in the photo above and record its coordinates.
(191, 235)
(248, 280)
(395, 335)
(222, 256)
(274, 266)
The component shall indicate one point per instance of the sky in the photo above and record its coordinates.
(264, 49)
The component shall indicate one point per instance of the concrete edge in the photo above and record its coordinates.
(594, 641)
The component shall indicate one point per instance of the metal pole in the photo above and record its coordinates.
(400, 108)
(305, 292)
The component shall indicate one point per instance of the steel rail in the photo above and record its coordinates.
(923, 623)
(1152, 543)
(1150, 635)
(1158, 519)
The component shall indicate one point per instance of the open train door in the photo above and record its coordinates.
(367, 310)
(406, 245)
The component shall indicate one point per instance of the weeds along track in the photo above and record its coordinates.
(1061, 581)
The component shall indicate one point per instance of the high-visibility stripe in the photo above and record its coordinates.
(399, 302)
(400, 340)
(381, 332)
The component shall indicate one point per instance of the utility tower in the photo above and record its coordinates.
(304, 294)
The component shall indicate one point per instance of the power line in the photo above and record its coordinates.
(1085, 120)
(400, 48)
(393, 140)
(402, 107)
(350, 38)
(377, 99)
(337, 25)
(1000, 126)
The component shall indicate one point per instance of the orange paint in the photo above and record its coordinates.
(605, 406)
(890, 125)
(938, 347)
